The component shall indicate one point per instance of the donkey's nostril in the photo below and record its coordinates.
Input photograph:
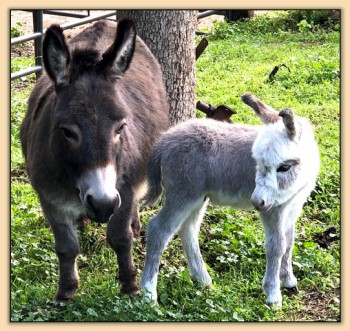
(100, 209)
(98, 194)
(90, 202)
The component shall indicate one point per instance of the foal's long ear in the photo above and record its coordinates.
(266, 113)
(289, 122)
(56, 55)
(115, 61)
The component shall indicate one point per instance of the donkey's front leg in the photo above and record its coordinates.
(67, 249)
(275, 246)
(120, 238)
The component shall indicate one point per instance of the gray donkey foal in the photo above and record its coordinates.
(272, 168)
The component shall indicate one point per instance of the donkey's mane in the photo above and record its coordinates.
(83, 60)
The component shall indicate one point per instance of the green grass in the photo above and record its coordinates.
(239, 59)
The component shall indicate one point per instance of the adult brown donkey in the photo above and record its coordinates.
(91, 123)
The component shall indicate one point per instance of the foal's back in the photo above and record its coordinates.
(211, 158)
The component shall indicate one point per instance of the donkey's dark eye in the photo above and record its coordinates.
(120, 129)
(284, 167)
(69, 134)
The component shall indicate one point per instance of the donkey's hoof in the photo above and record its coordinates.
(63, 296)
(129, 289)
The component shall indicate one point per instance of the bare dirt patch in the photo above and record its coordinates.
(318, 307)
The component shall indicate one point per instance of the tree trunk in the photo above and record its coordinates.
(170, 35)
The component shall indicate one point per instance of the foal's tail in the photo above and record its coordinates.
(155, 187)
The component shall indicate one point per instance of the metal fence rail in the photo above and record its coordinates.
(37, 35)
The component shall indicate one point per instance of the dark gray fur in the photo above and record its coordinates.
(101, 105)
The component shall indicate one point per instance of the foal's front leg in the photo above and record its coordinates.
(287, 277)
(275, 247)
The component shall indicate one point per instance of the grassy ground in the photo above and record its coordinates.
(239, 58)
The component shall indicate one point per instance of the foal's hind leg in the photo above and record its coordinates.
(160, 230)
(189, 237)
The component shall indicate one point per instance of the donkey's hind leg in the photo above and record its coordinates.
(160, 230)
(189, 237)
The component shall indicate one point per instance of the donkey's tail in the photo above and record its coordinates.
(155, 185)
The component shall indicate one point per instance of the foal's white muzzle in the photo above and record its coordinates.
(262, 201)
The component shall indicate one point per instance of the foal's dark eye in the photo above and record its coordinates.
(284, 167)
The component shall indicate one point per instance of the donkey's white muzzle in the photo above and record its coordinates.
(98, 194)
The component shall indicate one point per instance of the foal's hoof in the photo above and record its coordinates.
(152, 302)
(149, 299)
(290, 291)
(274, 301)
(275, 305)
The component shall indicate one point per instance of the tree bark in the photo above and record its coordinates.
(170, 35)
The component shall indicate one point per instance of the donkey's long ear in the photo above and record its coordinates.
(115, 61)
(56, 55)
(266, 113)
(289, 122)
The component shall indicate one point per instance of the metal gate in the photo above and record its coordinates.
(38, 33)
(38, 30)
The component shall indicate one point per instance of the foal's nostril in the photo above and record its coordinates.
(259, 204)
